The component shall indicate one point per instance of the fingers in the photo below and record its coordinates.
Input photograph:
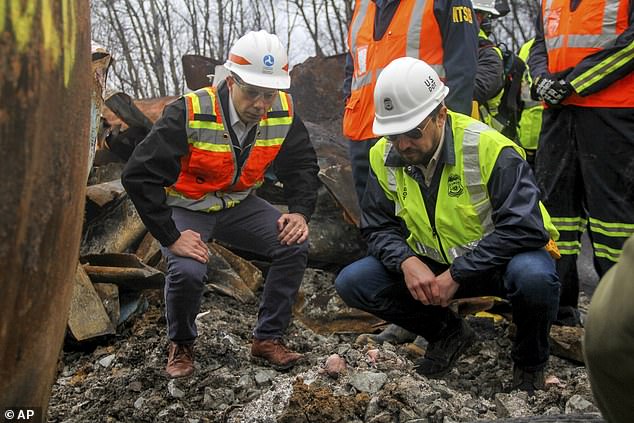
(281, 222)
(293, 229)
(191, 245)
(199, 256)
(427, 289)
(293, 235)
(434, 291)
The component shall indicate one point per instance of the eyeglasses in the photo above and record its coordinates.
(414, 134)
(253, 93)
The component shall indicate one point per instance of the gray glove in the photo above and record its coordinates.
(550, 90)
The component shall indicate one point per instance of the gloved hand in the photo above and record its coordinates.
(552, 91)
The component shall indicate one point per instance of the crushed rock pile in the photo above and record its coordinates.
(122, 380)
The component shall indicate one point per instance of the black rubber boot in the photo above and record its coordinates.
(441, 355)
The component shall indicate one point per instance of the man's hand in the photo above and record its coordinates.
(293, 228)
(447, 287)
(552, 91)
(190, 245)
(420, 281)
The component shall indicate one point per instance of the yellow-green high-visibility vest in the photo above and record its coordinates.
(490, 109)
(530, 124)
(463, 208)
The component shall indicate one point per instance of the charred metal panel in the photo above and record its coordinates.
(45, 89)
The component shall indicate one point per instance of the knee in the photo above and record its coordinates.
(186, 272)
(538, 288)
(362, 283)
(534, 282)
(345, 283)
(294, 251)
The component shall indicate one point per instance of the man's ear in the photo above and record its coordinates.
(441, 118)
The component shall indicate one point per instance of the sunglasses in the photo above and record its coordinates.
(253, 93)
(414, 134)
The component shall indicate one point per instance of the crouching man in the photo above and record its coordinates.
(451, 210)
(191, 180)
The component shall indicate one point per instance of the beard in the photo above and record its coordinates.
(414, 156)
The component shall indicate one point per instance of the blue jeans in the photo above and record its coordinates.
(529, 281)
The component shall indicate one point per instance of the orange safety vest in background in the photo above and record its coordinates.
(209, 179)
(570, 36)
(413, 32)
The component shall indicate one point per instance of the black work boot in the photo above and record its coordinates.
(568, 316)
(441, 355)
(393, 334)
(528, 381)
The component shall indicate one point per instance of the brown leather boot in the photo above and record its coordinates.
(180, 361)
(275, 353)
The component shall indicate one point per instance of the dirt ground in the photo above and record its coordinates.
(122, 379)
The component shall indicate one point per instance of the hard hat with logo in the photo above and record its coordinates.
(406, 92)
(487, 6)
(260, 59)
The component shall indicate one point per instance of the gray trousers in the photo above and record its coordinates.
(251, 226)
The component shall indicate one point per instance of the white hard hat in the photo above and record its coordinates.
(260, 59)
(406, 92)
(485, 6)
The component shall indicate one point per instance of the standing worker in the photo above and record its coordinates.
(581, 63)
(530, 123)
(451, 209)
(191, 179)
(489, 78)
(441, 32)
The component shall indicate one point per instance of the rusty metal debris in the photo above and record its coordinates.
(197, 69)
(88, 317)
(123, 270)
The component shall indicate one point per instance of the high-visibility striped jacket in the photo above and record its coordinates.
(192, 159)
(591, 44)
(440, 32)
(481, 209)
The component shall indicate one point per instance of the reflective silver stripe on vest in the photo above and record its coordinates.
(210, 202)
(473, 177)
(592, 41)
(356, 25)
(205, 135)
(554, 42)
(456, 252)
(605, 39)
(354, 31)
(415, 27)
(363, 80)
(430, 252)
(391, 172)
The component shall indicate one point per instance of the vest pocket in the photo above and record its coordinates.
(212, 171)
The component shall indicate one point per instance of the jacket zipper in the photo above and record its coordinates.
(435, 233)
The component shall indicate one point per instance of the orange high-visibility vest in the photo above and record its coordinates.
(570, 36)
(413, 32)
(209, 179)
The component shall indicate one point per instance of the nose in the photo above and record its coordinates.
(260, 103)
(404, 142)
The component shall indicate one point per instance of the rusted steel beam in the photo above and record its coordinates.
(45, 89)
